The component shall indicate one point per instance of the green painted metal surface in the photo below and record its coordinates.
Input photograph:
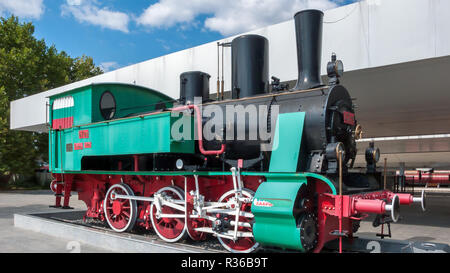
(274, 201)
(82, 109)
(129, 99)
(138, 135)
(275, 225)
(287, 142)
(324, 179)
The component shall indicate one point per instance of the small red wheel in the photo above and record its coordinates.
(169, 229)
(120, 214)
(243, 244)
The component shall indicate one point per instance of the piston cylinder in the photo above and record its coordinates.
(377, 206)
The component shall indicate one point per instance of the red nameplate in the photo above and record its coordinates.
(349, 118)
(78, 146)
(83, 134)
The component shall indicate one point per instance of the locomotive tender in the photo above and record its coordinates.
(115, 145)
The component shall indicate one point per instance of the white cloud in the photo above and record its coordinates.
(88, 11)
(23, 8)
(108, 66)
(74, 2)
(226, 17)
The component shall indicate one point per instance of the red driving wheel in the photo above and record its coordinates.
(170, 229)
(243, 244)
(120, 214)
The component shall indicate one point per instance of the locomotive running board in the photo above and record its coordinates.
(377, 245)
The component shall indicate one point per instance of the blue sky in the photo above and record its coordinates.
(118, 33)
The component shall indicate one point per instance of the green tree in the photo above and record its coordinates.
(29, 66)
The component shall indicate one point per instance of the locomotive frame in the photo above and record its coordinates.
(112, 144)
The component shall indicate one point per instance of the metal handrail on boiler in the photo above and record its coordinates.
(199, 130)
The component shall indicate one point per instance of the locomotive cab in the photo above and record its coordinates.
(94, 127)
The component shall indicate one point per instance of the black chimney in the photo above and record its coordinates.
(308, 31)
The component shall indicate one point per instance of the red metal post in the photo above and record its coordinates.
(136, 168)
(67, 191)
(58, 194)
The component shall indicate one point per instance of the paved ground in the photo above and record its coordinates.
(14, 240)
(432, 225)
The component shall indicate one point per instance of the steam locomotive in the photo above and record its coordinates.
(137, 157)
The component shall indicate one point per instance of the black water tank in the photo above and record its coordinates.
(194, 84)
(250, 66)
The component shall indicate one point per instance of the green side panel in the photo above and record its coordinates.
(287, 142)
(140, 135)
(182, 139)
(274, 201)
(83, 109)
